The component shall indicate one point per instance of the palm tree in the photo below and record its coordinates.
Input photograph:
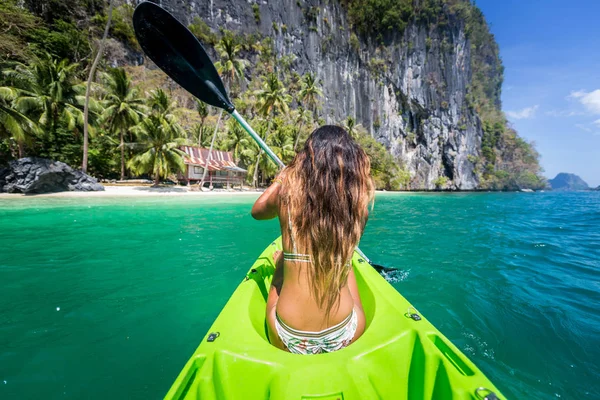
(281, 141)
(272, 97)
(302, 116)
(254, 152)
(202, 109)
(350, 125)
(161, 103)
(201, 135)
(157, 147)
(236, 141)
(310, 92)
(48, 92)
(88, 88)
(210, 149)
(123, 107)
(230, 67)
(13, 123)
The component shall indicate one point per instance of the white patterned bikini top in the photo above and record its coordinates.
(295, 256)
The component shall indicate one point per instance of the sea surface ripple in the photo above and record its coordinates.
(108, 297)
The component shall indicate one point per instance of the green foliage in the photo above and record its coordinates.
(387, 173)
(61, 144)
(68, 10)
(123, 108)
(378, 67)
(256, 12)
(354, 42)
(159, 137)
(14, 124)
(103, 154)
(310, 92)
(377, 124)
(231, 66)
(373, 17)
(401, 181)
(62, 40)
(121, 27)
(326, 43)
(441, 182)
(202, 31)
(15, 22)
(492, 133)
(311, 14)
(273, 98)
(511, 163)
(48, 92)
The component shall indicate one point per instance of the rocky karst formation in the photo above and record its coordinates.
(410, 93)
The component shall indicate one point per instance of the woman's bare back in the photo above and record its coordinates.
(292, 300)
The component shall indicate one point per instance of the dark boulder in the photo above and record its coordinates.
(3, 173)
(32, 175)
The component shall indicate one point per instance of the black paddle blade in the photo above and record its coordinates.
(381, 268)
(179, 54)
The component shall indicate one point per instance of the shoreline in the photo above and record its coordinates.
(148, 191)
(136, 191)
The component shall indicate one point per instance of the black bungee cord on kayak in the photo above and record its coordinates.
(176, 51)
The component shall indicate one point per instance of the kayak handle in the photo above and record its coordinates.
(489, 395)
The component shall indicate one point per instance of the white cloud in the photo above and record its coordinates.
(525, 113)
(583, 127)
(597, 123)
(591, 100)
(563, 113)
(576, 94)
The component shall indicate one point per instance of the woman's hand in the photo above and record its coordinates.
(266, 207)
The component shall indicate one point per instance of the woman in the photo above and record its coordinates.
(322, 200)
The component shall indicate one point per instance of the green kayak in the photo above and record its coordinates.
(400, 355)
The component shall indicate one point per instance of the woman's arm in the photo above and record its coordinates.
(266, 205)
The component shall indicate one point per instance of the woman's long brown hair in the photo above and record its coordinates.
(328, 189)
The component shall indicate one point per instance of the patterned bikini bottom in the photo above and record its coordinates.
(325, 341)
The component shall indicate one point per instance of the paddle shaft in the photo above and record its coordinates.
(257, 138)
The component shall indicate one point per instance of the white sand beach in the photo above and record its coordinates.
(141, 191)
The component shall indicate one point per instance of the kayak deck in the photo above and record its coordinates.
(397, 357)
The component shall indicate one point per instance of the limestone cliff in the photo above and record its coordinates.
(409, 92)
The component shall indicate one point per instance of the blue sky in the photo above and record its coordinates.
(551, 93)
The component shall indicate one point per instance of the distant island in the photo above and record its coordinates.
(568, 182)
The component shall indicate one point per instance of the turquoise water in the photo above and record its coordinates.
(107, 298)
